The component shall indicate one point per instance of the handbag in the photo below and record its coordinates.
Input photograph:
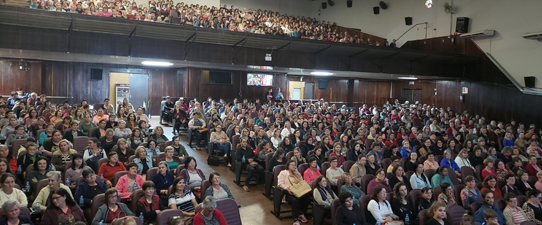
(213, 160)
(298, 188)
(203, 130)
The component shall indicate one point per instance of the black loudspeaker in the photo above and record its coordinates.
(324, 5)
(330, 2)
(349, 3)
(462, 25)
(408, 21)
(383, 5)
(96, 74)
(322, 84)
(529, 82)
(376, 10)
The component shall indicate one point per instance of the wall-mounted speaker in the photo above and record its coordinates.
(376, 10)
(529, 82)
(462, 25)
(408, 21)
(324, 5)
(96, 74)
(383, 5)
(322, 83)
(330, 2)
(349, 3)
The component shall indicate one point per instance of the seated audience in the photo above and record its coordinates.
(76, 170)
(380, 179)
(462, 159)
(130, 182)
(470, 194)
(371, 167)
(100, 132)
(348, 212)
(44, 194)
(337, 154)
(12, 213)
(149, 205)
(490, 183)
(476, 159)
(86, 124)
(209, 214)
(437, 214)
(488, 201)
(182, 198)
(299, 205)
(533, 207)
(152, 150)
(135, 139)
(62, 155)
(426, 200)
(124, 151)
(93, 154)
(158, 136)
(447, 195)
(245, 155)
(514, 215)
(334, 172)
(278, 159)
(179, 150)
(172, 163)
(110, 168)
(192, 175)
(510, 186)
(412, 162)
(63, 209)
(358, 170)
(380, 208)
(419, 180)
(41, 168)
(488, 169)
(198, 126)
(163, 180)
(298, 158)
(532, 166)
(401, 204)
(9, 192)
(122, 131)
(349, 186)
(312, 172)
(322, 193)
(441, 177)
(430, 163)
(398, 176)
(448, 162)
(29, 158)
(88, 188)
(523, 182)
(501, 170)
(143, 161)
(74, 132)
(217, 190)
(518, 166)
(112, 209)
(221, 139)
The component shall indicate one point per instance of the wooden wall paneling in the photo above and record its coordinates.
(12, 78)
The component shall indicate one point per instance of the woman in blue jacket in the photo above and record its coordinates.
(90, 187)
(448, 162)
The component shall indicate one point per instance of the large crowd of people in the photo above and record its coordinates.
(222, 18)
(366, 159)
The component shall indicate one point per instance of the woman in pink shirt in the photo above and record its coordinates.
(299, 205)
(130, 182)
(430, 163)
(312, 172)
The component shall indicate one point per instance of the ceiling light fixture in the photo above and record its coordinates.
(156, 63)
(428, 3)
(321, 73)
(407, 78)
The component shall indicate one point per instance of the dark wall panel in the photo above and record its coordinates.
(12, 78)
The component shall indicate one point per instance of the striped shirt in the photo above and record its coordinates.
(183, 202)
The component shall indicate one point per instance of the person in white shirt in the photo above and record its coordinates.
(9, 192)
(462, 159)
(380, 208)
(287, 130)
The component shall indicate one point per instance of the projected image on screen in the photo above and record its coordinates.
(254, 79)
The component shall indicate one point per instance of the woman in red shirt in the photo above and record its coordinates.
(488, 170)
(111, 167)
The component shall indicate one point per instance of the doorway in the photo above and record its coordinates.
(309, 90)
(296, 89)
(411, 95)
(134, 87)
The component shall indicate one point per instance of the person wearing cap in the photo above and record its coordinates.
(220, 138)
(168, 106)
(11, 101)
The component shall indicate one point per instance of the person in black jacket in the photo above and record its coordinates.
(348, 213)
(248, 159)
(74, 132)
(28, 159)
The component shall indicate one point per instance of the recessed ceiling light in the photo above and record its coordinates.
(407, 78)
(156, 63)
(321, 73)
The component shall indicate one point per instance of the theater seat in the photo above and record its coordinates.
(16, 145)
(230, 210)
(414, 195)
(151, 172)
(204, 185)
(475, 206)
(422, 216)
(455, 214)
(334, 206)
(363, 202)
(40, 185)
(117, 176)
(135, 198)
(164, 216)
(347, 165)
(97, 201)
(365, 182)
